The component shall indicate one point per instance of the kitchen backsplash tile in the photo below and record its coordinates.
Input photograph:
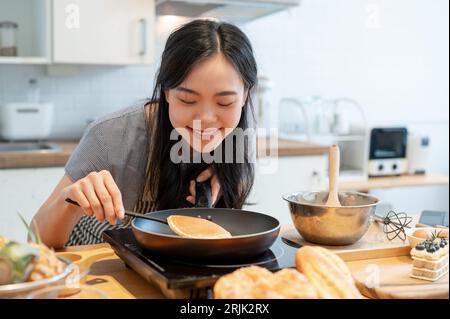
(80, 98)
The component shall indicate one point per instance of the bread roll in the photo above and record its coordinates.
(239, 284)
(327, 272)
(258, 283)
(293, 285)
(424, 233)
(443, 233)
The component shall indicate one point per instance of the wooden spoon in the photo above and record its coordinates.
(333, 174)
(184, 226)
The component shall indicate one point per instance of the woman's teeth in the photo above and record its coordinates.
(207, 134)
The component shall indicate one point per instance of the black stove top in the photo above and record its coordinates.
(182, 279)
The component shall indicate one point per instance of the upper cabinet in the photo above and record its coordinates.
(103, 31)
(120, 32)
(25, 28)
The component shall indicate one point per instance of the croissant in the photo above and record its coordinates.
(327, 272)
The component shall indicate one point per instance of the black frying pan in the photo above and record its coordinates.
(253, 233)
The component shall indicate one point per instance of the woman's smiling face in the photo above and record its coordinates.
(207, 105)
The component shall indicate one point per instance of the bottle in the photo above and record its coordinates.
(263, 105)
(8, 38)
(320, 125)
(33, 91)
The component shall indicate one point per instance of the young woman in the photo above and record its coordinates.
(125, 159)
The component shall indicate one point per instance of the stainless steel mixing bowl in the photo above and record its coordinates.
(335, 226)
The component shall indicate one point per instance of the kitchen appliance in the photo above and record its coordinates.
(25, 121)
(236, 11)
(417, 153)
(8, 38)
(388, 151)
(187, 279)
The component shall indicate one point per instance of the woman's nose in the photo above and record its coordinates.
(207, 114)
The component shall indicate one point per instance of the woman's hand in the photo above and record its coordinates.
(97, 194)
(216, 192)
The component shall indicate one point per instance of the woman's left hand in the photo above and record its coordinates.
(216, 192)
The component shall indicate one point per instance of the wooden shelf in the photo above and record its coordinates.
(23, 60)
(289, 148)
(395, 181)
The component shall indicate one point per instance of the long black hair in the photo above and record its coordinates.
(167, 183)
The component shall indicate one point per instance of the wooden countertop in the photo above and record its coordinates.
(290, 148)
(38, 158)
(395, 181)
(59, 158)
(109, 274)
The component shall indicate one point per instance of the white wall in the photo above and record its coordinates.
(398, 70)
(94, 91)
(391, 56)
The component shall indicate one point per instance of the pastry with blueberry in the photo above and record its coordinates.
(430, 258)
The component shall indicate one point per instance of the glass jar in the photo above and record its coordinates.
(8, 38)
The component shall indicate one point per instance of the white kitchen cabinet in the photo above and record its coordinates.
(277, 176)
(103, 31)
(116, 32)
(33, 32)
(24, 191)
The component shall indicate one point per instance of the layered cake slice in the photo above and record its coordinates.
(430, 259)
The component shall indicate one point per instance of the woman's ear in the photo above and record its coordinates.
(166, 95)
(245, 97)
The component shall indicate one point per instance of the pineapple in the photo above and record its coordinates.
(27, 262)
(3, 242)
(46, 264)
(16, 262)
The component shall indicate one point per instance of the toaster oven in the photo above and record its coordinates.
(388, 151)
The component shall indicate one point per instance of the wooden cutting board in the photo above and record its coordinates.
(381, 267)
(388, 278)
(372, 245)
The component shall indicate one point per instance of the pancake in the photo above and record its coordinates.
(194, 227)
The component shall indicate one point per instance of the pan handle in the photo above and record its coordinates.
(203, 194)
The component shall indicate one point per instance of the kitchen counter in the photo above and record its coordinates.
(290, 148)
(394, 181)
(109, 273)
(59, 158)
(38, 158)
